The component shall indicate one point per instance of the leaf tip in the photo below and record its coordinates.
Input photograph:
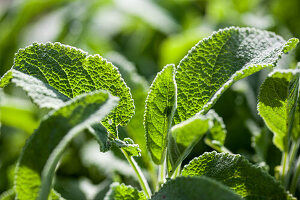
(290, 44)
(6, 78)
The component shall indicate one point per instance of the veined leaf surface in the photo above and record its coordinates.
(120, 192)
(72, 72)
(215, 63)
(44, 148)
(277, 104)
(160, 105)
(191, 188)
(236, 172)
(183, 137)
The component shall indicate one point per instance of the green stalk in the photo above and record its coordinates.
(142, 180)
(177, 171)
(161, 175)
(292, 156)
(284, 165)
(293, 153)
(295, 177)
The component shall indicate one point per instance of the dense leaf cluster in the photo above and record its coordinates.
(87, 93)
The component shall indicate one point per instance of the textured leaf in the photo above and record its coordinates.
(215, 63)
(128, 146)
(121, 192)
(8, 195)
(277, 104)
(183, 137)
(45, 147)
(72, 72)
(217, 132)
(160, 105)
(236, 172)
(191, 188)
(6, 79)
(41, 93)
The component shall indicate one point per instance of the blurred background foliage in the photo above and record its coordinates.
(139, 37)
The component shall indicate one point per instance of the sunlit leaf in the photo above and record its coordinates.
(61, 72)
(215, 63)
(160, 105)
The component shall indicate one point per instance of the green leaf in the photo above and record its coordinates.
(128, 146)
(8, 195)
(71, 72)
(6, 79)
(45, 147)
(277, 103)
(121, 192)
(183, 137)
(217, 132)
(160, 106)
(191, 188)
(215, 63)
(236, 172)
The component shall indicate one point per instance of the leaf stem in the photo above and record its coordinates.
(177, 171)
(295, 177)
(292, 156)
(142, 180)
(283, 166)
(161, 175)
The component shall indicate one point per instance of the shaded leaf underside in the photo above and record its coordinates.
(45, 147)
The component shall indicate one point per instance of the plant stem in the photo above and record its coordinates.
(177, 171)
(142, 180)
(283, 164)
(295, 177)
(161, 175)
(292, 156)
